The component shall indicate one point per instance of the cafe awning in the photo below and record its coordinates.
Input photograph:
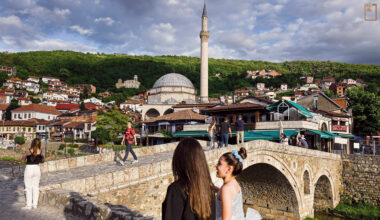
(322, 134)
(284, 105)
(331, 134)
(266, 134)
(346, 135)
(191, 134)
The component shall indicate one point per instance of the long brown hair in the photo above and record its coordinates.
(35, 146)
(212, 124)
(234, 162)
(191, 170)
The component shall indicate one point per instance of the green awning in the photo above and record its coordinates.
(266, 134)
(322, 134)
(191, 134)
(346, 135)
(277, 107)
(331, 134)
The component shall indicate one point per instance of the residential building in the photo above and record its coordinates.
(54, 103)
(309, 80)
(349, 81)
(47, 79)
(73, 91)
(11, 71)
(5, 98)
(91, 88)
(36, 111)
(31, 86)
(104, 94)
(327, 81)
(55, 96)
(133, 105)
(128, 83)
(338, 88)
(24, 101)
(57, 86)
(9, 130)
(3, 108)
(256, 100)
(260, 86)
(284, 86)
(94, 101)
(239, 93)
(33, 79)
(73, 98)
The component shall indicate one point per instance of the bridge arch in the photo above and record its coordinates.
(307, 178)
(324, 194)
(268, 185)
(151, 113)
(168, 111)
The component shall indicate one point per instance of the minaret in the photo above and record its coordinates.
(204, 57)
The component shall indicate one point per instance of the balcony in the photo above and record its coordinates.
(275, 125)
(342, 128)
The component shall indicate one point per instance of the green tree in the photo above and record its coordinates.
(3, 77)
(101, 135)
(365, 110)
(20, 140)
(372, 87)
(114, 122)
(8, 111)
(330, 94)
(82, 106)
(35, 100)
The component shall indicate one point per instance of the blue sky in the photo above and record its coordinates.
(271, 30)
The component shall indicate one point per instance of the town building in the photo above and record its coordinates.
(57, 86)
(338, 88)
(309, 80)
(260, 86)
(36, 111)
(47, 79)
(9, 130)
(33, 79)
(91, 88)
(284, 86)
(128, 83)
(3, 108)
(349, 81)
(48, 96)
(326, 82)
(133, 105)
(11, 71)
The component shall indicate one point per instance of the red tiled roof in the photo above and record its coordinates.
(204, 105)
(3, 107)
(184, 115)
(67, 106)
(38, 108)
(234, 107)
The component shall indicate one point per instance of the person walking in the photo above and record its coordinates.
(225, 128)
(303, 142)
(129, 139)
(191, 196)
(212, 132)
(32, 174)
(239, 129)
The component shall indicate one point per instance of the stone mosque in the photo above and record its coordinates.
(174, 88)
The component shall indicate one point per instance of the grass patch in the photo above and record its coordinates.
(361, 210)
(10, 159)
(310, 218)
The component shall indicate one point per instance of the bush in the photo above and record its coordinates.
(71, 151)
(69, 140)
(20, 140)
(61, 147)
(82, 140)
(73, 145)
(59, 153)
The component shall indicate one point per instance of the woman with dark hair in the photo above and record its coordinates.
(229, 201)
(32, 174)
(191, 196)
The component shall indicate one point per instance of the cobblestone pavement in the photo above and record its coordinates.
(12, 200)
(98, 169)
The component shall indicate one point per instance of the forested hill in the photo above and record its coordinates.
(104, 70)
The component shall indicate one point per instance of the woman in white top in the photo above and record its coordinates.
(212, 132)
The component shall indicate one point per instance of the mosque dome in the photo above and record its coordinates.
(173, 79)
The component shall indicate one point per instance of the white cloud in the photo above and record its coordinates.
(108, 21)
(62, 12)
(173, 2)
(11, 21)
(81, 30)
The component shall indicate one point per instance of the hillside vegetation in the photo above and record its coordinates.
(104, 70)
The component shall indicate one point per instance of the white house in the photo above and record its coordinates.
(94, 100)
(260, 86)
(24, 101)
(31, 86)
(134, 105)
(349, 81)
(27, 112)
(33, 79)
(74, 98)
(55, 96)
(284, 86)
(46, 79)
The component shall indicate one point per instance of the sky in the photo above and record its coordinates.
(270, 30)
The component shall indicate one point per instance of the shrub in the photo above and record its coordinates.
(71, 151)
(59, 153)
(20, 140)
(61, 147)
(69, 140)
(82, 140)
(75, 146)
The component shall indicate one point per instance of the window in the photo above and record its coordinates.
(30, 115)
(25, 115)
(342, 123)
(48, 117)
(29, 129)
(334, 122)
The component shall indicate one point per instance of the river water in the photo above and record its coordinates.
(324, 216)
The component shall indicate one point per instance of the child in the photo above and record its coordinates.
(229, 202)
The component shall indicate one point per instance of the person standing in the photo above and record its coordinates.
(33, 156)
(191, 196)
(129, 139)
(303, 142)
(239, 129)
(284, 140)
(293, 140)
(212, 132)
(225, 128)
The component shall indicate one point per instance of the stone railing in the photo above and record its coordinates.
(75, 162)
(286, 125)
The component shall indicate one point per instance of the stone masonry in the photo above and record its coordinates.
(361, 178)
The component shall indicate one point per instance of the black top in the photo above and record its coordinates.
(176, 205)
(37, 160)
(239, 125)
(224, 128)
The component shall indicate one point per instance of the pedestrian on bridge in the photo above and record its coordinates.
(129, 139)
(191, 196)
(33, 156)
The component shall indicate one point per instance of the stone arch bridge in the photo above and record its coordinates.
(280, 181)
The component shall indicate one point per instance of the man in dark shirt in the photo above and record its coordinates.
(224, 129)
(239, 130)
